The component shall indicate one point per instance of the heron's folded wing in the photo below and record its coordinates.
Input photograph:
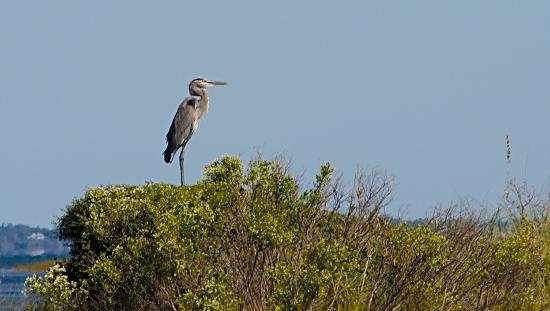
(182, 124)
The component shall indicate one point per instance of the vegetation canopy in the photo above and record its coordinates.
(253, 238)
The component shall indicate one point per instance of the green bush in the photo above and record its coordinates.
(253, 238)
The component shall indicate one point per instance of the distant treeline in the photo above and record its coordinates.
(24, 241)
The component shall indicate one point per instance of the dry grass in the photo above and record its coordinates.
(40, 266)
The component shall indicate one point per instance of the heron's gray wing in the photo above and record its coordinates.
(181, 128)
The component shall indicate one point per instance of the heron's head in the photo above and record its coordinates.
(197, 85)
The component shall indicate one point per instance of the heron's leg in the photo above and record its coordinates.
(182, 155)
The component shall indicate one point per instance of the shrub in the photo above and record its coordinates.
(252, 238)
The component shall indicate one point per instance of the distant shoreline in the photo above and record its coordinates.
(29, 263)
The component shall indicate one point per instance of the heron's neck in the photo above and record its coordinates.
(203, 102)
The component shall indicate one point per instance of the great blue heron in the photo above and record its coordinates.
(186, 120)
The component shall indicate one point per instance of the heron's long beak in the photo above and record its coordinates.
(215, 83)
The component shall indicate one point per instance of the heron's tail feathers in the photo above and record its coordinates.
(169, 154)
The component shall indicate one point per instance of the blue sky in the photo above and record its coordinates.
(426, 90)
